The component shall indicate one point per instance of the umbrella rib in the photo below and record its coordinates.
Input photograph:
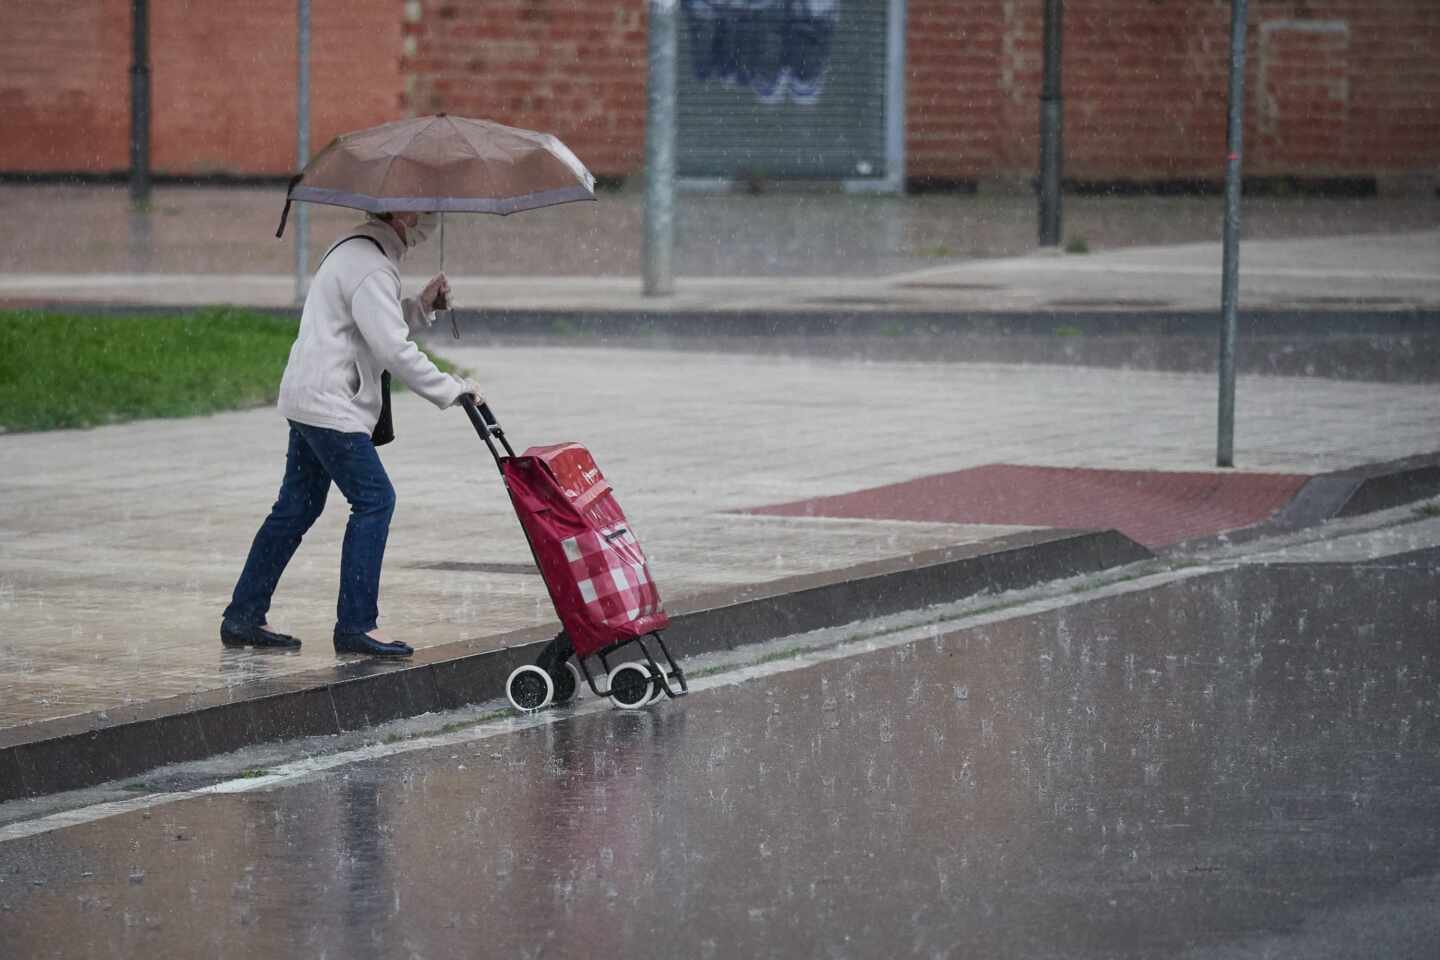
(465, 139)
(396, 156)
(475, 149)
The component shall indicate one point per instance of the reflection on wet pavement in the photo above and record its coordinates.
(1227, 757)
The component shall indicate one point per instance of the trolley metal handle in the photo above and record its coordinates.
(486, 425)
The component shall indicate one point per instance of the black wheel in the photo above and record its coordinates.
(630, 686)
(567, 680)
(529, 688)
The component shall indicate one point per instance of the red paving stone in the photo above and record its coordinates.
(1151, 507)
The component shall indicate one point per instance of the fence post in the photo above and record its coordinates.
(140, 102)
(659, 267)
(1051, 132)
(302, 149)
(1230, 273)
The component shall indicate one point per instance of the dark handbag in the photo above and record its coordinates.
(384, 430)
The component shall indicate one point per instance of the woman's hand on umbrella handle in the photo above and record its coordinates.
(436, 295)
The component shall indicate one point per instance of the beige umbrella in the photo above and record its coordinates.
(445, 164)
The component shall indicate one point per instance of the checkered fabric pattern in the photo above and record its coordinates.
(614, 579)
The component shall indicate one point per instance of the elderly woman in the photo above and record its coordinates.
(354, 328)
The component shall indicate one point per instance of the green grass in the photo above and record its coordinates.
(1077, 244)
(1428, 510)
(68, 370)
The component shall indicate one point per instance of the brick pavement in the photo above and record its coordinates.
(1152, 507)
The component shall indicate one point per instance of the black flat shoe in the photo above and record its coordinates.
(364, 643)
(236, 634)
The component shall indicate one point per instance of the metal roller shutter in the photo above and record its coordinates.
(782, 88)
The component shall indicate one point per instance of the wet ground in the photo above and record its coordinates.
(1240, 762)
(230, 230)
(90, 554)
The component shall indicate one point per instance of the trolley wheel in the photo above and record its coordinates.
(529, 687)
(657, 688)
(630, 686)
(567, 682)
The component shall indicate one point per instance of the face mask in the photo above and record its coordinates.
(423, 230)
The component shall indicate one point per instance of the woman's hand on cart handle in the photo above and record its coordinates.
(470, 394)
(485, 424)
(472, 401)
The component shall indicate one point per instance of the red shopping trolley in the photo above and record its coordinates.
(595, 571)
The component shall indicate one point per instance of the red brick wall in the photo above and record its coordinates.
(63, 84)
(568, 67)
(960, 77)
(1334, 87)
(222, 75)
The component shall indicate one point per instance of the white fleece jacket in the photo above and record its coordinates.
(353, 327)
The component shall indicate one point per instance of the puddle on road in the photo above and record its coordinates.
(1223, 756)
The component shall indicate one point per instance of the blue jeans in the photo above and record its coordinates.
(314, 458)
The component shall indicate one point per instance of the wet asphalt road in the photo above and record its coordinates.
(1237, 764)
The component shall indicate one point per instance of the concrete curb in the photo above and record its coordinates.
(74, 752)
(1330, 496)
(719, 323)
(1363, 489)
(1390, 346)
(1398, 345)
(842, 321)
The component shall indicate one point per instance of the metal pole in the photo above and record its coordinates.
(1051, 144)
(140, 102)
(1230, 280)
(302, 150)
(660, 152)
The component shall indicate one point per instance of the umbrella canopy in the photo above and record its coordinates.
(442, 163)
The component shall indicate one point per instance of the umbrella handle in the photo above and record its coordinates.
(454, 327)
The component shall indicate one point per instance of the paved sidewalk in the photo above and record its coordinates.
(1383, 271)
(808, 252)
(220, 230)
(120, 544)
